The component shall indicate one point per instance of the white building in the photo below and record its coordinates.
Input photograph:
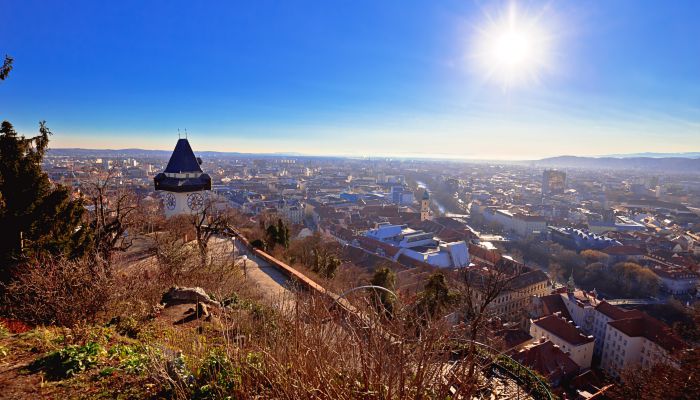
(676, 280)
(518, 223)
(623, 338)
(421, 246)
(567, 336)
(638, 342)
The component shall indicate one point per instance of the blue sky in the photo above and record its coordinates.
(352, 77)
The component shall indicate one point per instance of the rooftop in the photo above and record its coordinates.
(183, 159)
(562, 328)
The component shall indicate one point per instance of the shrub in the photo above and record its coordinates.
(132, 359)
(58, 292)
(3, 330)
(69, 361)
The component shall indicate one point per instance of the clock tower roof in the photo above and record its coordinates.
(183, 172)
(183, 159)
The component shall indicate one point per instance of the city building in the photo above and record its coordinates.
(418, 245)
(425, 206)
(567, 336)
(516, 222)
(639, 341)
(553, 182)
(549, 360)
(579, 239)
(676, 280)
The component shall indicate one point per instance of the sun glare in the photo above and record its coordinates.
(513, 49)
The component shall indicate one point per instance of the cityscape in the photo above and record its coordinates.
(336, 261)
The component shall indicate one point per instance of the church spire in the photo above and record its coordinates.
(570, 285)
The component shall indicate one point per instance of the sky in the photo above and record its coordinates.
(403, 78)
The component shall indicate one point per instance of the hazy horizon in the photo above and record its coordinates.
(464, 80)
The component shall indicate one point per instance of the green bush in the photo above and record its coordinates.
(69, 361)
(132, 360)
(216, 376)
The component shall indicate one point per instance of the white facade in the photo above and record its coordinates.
(522, 225)
(581, 351)
(183, 203)
(624, 352)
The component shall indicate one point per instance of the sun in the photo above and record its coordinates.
(513, 49)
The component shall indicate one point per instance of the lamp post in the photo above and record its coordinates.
(245, 271)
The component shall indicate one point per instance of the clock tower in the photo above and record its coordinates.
(183, 183)
(425, 206)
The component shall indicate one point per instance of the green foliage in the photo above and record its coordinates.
(69, 361)
(132, 359)
(436, 297)
(37, 217)
(259, 244)
(216, 376)
(385, 278)
(4, 332)
(325, 263)
(6, 67)
(127, 326)
(277, 234)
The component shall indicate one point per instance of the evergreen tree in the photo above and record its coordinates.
(37, 218)
(283, 233)
(272, 235)
(385, 278)
(6, 68)
(436, 297)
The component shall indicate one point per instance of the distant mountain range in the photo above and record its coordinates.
(133, 153)
(648, 163)
(656, 155)
(662, 162)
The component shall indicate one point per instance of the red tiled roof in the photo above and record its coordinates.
(372, 245)
(554, 303)
(548, 360)
(513, 336)
(650, 328)
(623, 251)
(563, 329)
(616, 312)
(490, 256)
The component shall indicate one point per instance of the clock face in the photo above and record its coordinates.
(170, 201)
(195, 201)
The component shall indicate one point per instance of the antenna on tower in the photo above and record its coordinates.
(185, 133)
(178, 133)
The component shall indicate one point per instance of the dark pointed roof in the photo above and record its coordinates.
(426, 195)
(182, 159)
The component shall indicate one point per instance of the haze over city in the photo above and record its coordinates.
(452, 79)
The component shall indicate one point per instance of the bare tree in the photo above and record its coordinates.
(114, 212)
(208, 223)
(479, 288)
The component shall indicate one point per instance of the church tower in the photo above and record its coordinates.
(183, 183)
(425, 206)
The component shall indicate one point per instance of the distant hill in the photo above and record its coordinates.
(140, 153)
(656, 155)
(665, 164)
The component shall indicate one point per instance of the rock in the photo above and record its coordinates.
(178, 295)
